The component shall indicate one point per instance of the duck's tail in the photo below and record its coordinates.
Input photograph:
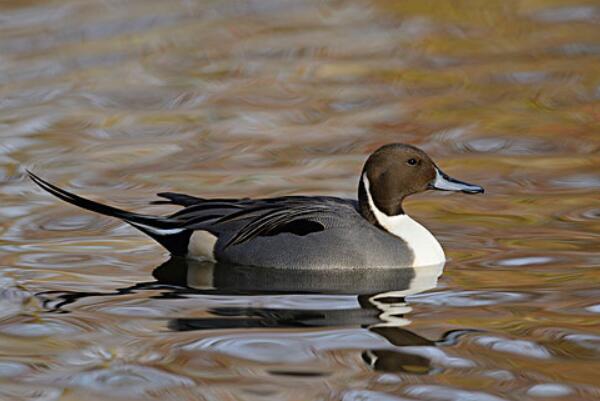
(166, 231)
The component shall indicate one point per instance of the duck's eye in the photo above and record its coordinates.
(412, 162)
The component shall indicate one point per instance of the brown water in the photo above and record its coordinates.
(120, 100)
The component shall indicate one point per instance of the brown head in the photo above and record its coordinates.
(397, 170)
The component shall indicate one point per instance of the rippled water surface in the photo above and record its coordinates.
(119, 100)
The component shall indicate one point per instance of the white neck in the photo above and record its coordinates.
(425, 247)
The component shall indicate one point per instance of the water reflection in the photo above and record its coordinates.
(378, 294)
(380, 289)
(369, 302)
(203, 275)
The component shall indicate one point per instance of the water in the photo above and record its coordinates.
(118, 101)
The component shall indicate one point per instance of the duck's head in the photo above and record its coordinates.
(397, 170)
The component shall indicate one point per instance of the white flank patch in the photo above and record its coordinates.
(202, 246)
(426, 248)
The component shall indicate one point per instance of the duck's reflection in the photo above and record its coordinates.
(374, 299)
(232, 278)
(387, 307)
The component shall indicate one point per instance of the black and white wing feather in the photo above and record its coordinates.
(239, 220)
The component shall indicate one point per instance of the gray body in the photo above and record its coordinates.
(347, 241)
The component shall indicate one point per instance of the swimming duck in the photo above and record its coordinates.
(303, 232)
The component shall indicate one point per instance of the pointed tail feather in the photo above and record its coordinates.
(177, 199)
(167, 232)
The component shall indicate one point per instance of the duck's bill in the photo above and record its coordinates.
(444, 183)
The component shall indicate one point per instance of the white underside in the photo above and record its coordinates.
(202, 246)
(426, 249)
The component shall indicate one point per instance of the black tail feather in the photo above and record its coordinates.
(177, 199)
(167, 232)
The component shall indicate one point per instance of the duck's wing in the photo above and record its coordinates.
(300, 218)
(246, 219)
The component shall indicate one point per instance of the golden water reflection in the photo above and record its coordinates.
(119, 101)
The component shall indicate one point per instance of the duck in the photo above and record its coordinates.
(302, 232)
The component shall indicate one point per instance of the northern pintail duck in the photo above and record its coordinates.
(303, 232)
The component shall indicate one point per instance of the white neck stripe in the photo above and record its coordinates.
(387, 222)
(426, 248)
(379, 215)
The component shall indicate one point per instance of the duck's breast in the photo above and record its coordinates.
(425, 247)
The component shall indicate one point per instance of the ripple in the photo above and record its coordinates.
(121, 381)
(578, 49)
(140, 99)
(32, 96)
(575, 13)
(527, 77)
(518, 347)
(101, 355)
(526, 261)
(549, 390)
(49, 222)
(582, 215)
(443, 393)
(14, 300)
(59, 260)
(509, 146)
(37, 329)
(466, 299)
(11, 369)
(579, 181)
(499, 375)
(287, 347)
(260, 349)
(589, 341)
(368, 395)
(68, 223)
(593, 308)
(27, 392)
